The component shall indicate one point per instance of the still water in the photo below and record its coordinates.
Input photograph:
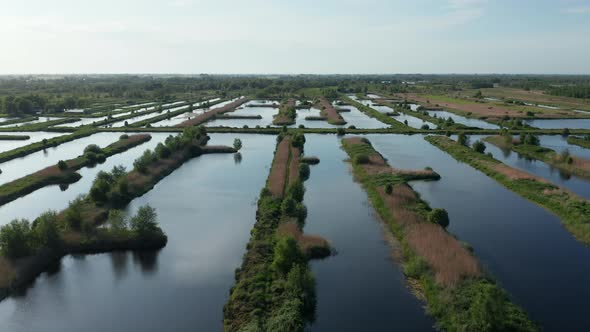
(522, 245)
(207, 208)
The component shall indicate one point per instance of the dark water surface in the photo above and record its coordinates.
(361, 288)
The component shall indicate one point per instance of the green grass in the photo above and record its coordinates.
(540, 153)
(573, 211)
(38, 146)
(14, 137)
(579, 141)
(39, 125)
(52, 175)
(376, 114)
(475, 304)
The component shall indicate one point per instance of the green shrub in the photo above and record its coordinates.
(340, 131)
(45, 230)
(304, 171)
(15, 239)
(73, 214)
(440, 217)
(479, 146)
(117, 221)
(286, 254)
(296, 190)
(361, 159)
(463, 139)
(124, 136)
(162, 151)
(388, 189)
(92, 148)
(415, 267)
(62, 165)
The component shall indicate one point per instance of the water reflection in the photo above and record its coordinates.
(237, 158)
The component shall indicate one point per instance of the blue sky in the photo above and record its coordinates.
(298, 36)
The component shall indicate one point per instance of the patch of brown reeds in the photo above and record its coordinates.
(581, 163)
(307, 242)
(513, 173)
(294, 165)
(447, 258)
(278, 171)
(205, 116)
(330, 112)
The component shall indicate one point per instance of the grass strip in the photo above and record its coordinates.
(439, 268)
(573, 210)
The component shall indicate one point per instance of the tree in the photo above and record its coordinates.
(62, 165)
(237, 144)
(45, 231)
(117, 221)
(479, 146)
(162, 151)
(388, 189)
(145, 221)
(440, 217)
(531, 140)
(15, 239)
(304, 171)
(92, 148)
(462, 139)
(73, 214)
(296, 190)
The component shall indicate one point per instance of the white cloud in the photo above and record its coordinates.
(577, 10)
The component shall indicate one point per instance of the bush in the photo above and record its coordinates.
(296, 190)
(532, 140)
(140, 164)
(288, 206)
(352, 127)
(286, 254)
(162, 151)
(361, 159)
(45, 231)
(479, 146)
(462, 139)
(304, 171)
(388, 189)
(73, 214)
(298, 140)
(237, 144)
(415, 267)
(425, 127)
(62, 165)
(15, 239)
(565, 132)
(124, 136)
(440, 217)
(92, 148)
(340, 131)
(117, 221)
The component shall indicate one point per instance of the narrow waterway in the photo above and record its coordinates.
(361, 288)
(522, 245)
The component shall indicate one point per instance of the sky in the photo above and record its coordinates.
(295, 36)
